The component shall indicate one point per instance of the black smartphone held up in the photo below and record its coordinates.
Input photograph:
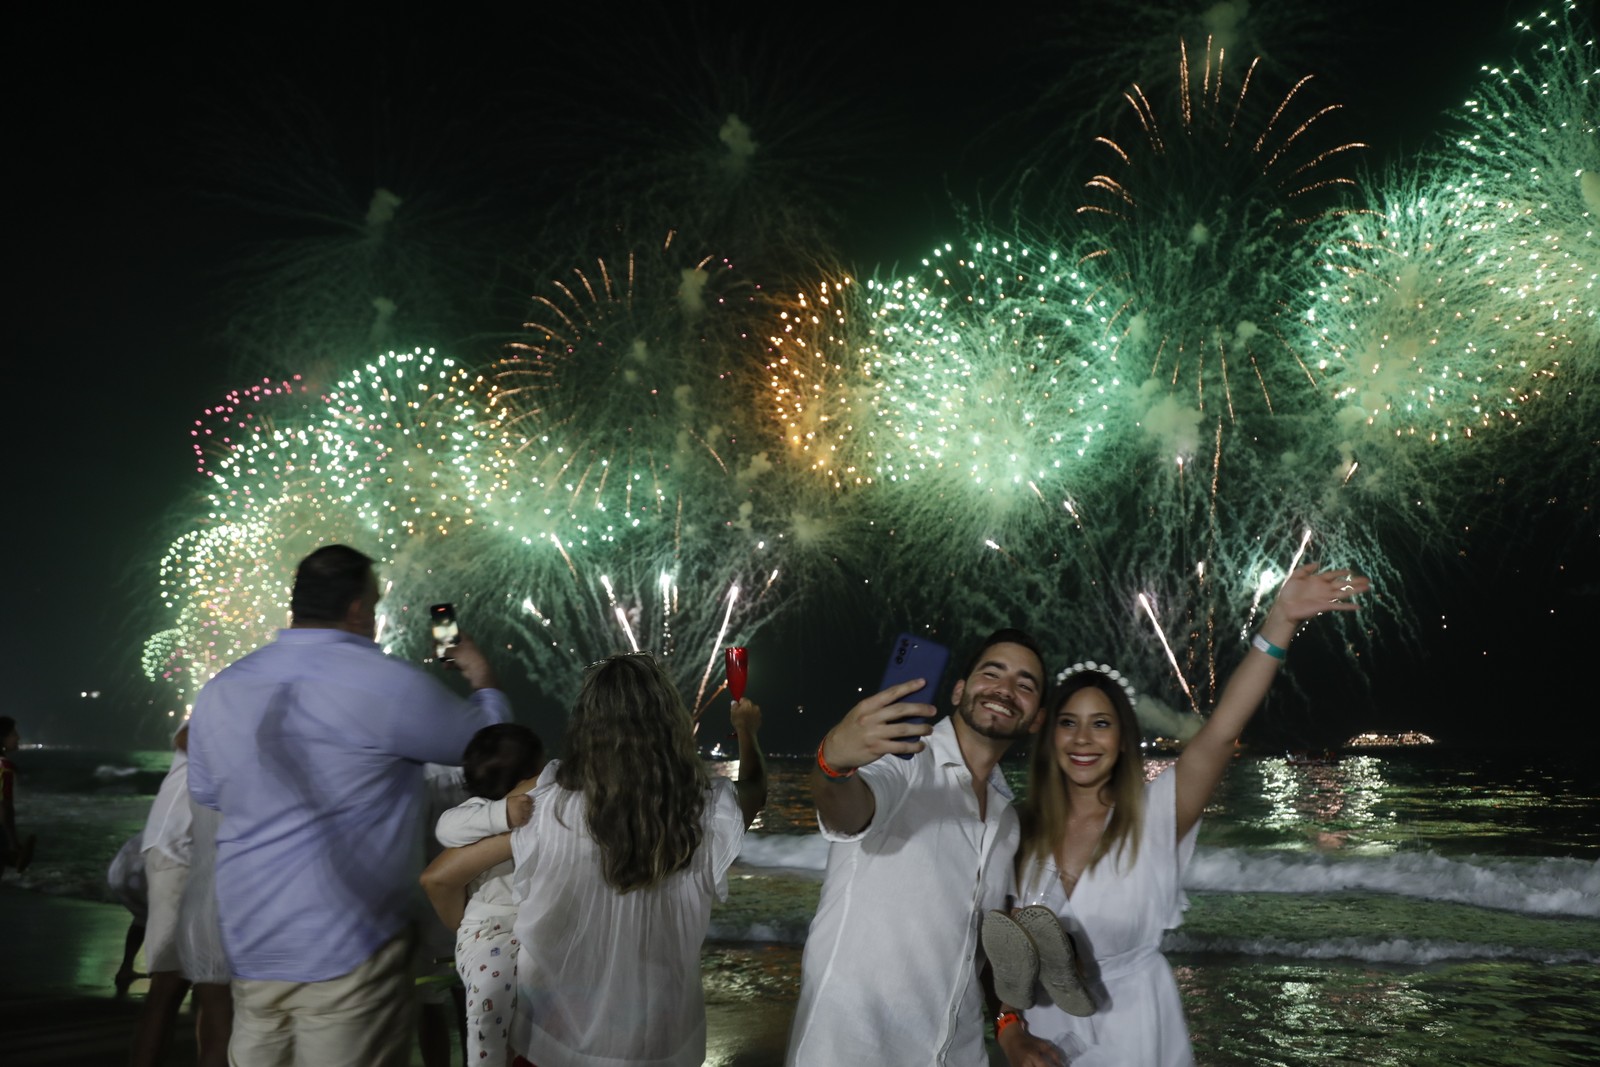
(915, 657)
(446, 634)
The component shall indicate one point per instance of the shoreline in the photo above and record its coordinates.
(61, 1008)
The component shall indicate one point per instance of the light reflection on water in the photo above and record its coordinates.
(1450, 803)
(1324, 804)
(1254, 1012)
(1243, 1008)
(1370, 804)
(1515, 1003)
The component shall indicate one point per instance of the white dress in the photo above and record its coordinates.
(1117, 915)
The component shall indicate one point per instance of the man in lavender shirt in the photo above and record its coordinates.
(312, 749)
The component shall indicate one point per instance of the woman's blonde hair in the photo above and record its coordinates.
(631, 753)
(1044, 811)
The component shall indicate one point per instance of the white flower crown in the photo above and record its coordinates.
(1106, 669)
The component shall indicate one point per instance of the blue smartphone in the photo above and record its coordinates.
(915, 657)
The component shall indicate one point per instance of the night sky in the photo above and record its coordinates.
(124, 128)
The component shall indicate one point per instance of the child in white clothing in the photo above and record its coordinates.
(501, 764)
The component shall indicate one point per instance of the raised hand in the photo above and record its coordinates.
(1309, 592)
(466, 657)
(746, 716)
(871, 729)
(752, 783)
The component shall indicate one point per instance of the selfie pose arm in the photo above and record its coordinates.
(1306, 593)
(869, 731)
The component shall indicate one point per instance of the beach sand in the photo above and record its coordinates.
(58, 1006)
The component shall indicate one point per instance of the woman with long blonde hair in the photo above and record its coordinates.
(627, 845)
(1103, 853)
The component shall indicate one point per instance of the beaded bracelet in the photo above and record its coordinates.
(1003, 1020)
(1269, 648)
(822, 764)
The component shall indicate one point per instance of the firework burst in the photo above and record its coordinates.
(1197, 242)
(1532, 134)
(978, 397)
(1426, 343)
(1139, 38)
(654, 486)
(1528, 152)
(399, 453)
(812, 373)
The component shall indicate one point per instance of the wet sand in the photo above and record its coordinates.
(58, 1006)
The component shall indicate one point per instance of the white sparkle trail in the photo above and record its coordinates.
(1149, 609)
(716, 649)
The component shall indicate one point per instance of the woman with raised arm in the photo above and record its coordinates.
(628, 844)
(1103, 854)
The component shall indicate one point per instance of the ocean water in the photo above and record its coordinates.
(1407, 906)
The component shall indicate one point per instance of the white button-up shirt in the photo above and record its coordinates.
(890, 973)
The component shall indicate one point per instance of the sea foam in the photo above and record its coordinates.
(1543, 886)
(1397, 950)
(808, 852)
(1531, 886)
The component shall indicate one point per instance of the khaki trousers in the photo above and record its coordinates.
(366, 1017)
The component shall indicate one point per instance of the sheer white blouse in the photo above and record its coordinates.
(606, 978)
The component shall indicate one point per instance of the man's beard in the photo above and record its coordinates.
(1009, 730)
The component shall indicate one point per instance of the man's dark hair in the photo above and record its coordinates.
(1006, 637)
(327, 582)
(500, 756)
(7, 724)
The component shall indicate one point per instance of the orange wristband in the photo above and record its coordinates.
(1003, 1020)
(822, 764)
